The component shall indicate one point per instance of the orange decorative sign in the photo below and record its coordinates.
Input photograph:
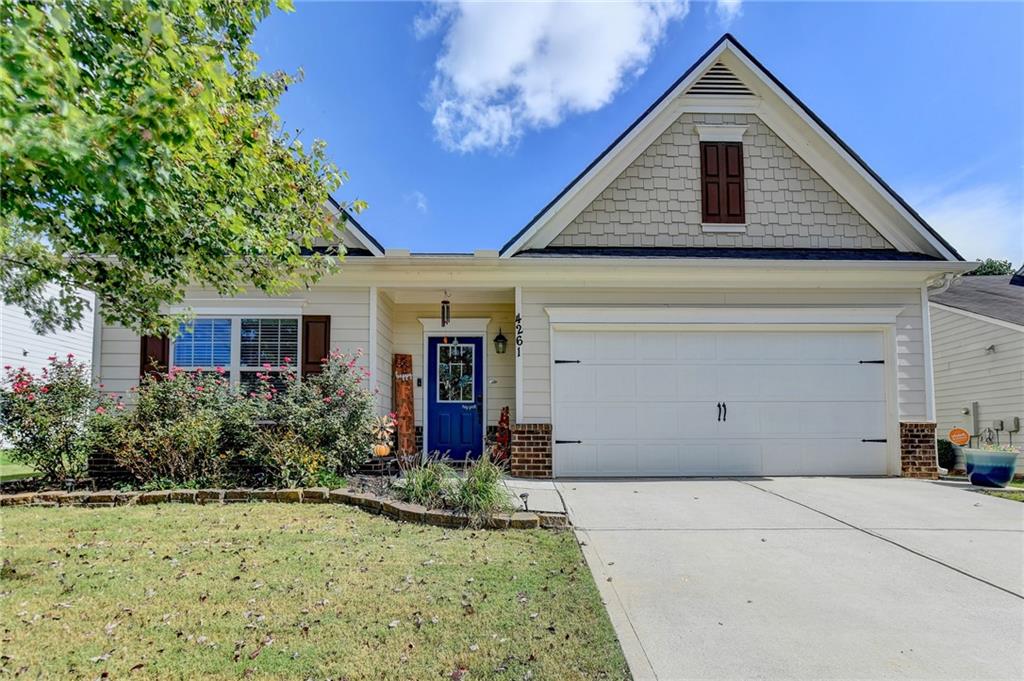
(959, 437)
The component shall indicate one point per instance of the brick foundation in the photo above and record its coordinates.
(531, 450)
(918, 453)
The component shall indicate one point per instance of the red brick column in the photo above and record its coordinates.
(918, 453)
(531, 450)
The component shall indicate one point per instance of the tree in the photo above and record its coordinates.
(141, 154)
(992, 266)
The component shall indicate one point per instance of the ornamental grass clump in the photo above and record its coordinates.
(431, 485)
(45, 417)
(481, 493)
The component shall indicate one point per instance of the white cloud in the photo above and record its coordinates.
(981, 221)
(728, 10)
(506, 68)
(418, 199)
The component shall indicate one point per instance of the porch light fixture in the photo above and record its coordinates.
(446, 311)
(500, 343)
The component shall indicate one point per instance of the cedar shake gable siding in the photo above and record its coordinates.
(656, 201)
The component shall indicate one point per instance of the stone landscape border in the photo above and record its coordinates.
(372, 503)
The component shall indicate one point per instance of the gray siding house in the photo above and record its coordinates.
(978, 351)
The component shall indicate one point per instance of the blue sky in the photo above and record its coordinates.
(457, 130)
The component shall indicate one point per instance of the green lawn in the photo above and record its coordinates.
(1014, 492)
(292, 591)
(12, 471)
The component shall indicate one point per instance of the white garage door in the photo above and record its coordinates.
(650, 403)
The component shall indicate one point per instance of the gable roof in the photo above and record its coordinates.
(697, 76)
(989, 296)
(356, 230)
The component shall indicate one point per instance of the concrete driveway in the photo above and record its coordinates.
(812, 578)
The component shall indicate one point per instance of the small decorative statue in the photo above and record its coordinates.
(502, 449)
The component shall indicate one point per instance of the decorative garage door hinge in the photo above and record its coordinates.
(567, 361)
(871, 361)
(568, 442)
(869, 439)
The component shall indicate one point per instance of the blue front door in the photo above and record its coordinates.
(455, 396)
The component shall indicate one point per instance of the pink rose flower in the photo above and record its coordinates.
(327, 400)
(101, 410)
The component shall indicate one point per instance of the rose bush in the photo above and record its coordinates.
(45, 417)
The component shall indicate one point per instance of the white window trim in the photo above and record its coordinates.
(235, 368)
(723, 227)
(720, 133)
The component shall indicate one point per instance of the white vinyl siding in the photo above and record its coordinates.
(910, 375)
(20, 346)
(965, 372)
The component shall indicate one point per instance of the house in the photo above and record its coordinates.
(21, 346)
(727, 289)
(978, 351)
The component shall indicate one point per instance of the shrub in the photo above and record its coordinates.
(185, 428)
(429, 485)
(45, 417)
(481, 493)
(947, 454)
(283, 459)
(332, 411)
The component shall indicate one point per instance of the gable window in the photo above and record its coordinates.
(241, 346)
(721, 179)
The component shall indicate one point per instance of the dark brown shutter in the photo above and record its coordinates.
(154, 355)
(721, 176)
(316, 342)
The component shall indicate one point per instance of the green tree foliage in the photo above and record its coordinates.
(140, 153)
(991, 266)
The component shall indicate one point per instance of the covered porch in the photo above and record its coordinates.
(455, 371)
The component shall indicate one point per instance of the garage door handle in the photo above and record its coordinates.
(568, 442)
(874, 439)
(725, 411)
(719, 411)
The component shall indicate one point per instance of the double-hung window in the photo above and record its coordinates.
(241, 346)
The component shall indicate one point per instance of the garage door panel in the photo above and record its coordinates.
(614, 382)
(575, 460)
(695, 382)
(615, 345)
(617, 459)
(658, 421)
(645, 403)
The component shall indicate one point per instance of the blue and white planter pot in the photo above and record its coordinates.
(989, 469)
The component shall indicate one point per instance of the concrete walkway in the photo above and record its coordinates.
(806, 578)
(542, 495)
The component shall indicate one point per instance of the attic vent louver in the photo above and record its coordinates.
(718, 81)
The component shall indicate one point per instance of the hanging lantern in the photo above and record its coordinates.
(446, 311)
(500, 343)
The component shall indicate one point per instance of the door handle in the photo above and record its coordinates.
(725, 411)
(719, 411)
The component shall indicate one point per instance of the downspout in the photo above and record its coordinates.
(933, 287)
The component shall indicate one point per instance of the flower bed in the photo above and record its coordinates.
(368, 501)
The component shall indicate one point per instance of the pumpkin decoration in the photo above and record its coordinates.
(383, 431)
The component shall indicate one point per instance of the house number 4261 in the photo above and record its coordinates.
(519, 335)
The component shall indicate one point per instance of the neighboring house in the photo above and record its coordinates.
(20, 346)
(978, 350)
(726, 290)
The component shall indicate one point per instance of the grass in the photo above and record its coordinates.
(10, 471)
(1014, 491)
(284, 591)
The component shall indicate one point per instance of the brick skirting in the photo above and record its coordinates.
(918, 453)
(531, 450)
